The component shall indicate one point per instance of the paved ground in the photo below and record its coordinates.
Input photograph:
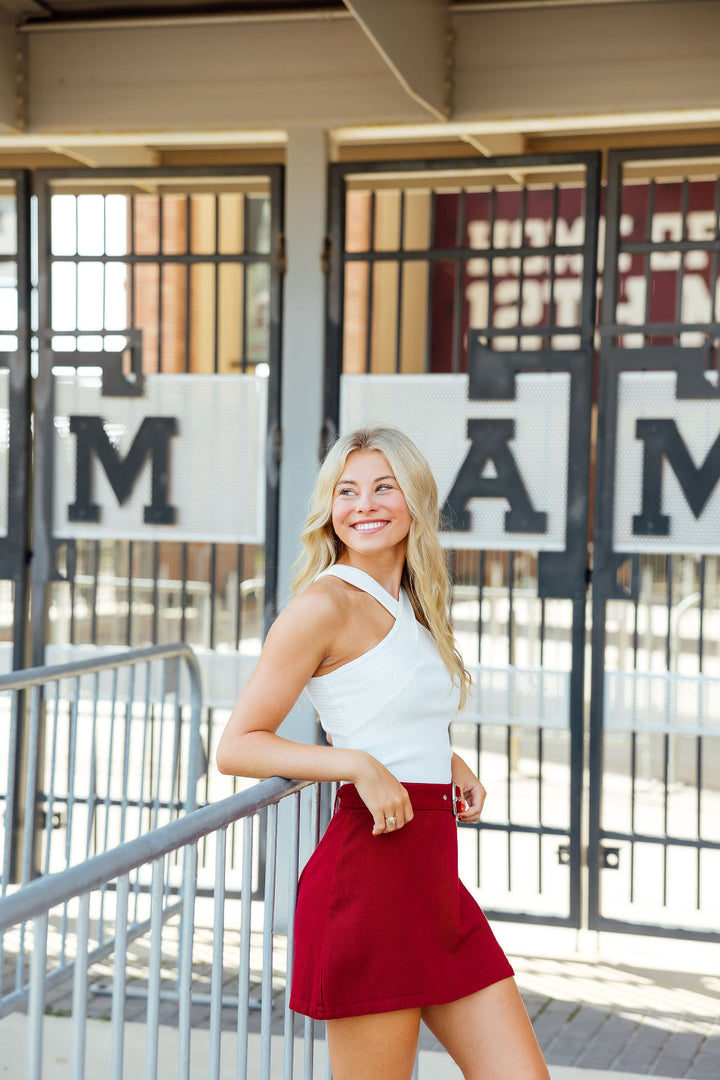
(603, 1006)
(643, 1006)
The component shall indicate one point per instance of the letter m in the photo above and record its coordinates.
(152, 439)
(663, 440)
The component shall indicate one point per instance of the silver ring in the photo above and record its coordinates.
(390, 822)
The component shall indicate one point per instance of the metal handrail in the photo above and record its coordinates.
(44, 893)
(21, 680)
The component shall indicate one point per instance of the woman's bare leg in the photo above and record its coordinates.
(489, 1034)
(370, 1047)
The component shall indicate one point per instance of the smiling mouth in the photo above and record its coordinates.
(369, 526)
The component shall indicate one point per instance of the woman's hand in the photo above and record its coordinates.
(385, 797)
(473, 792)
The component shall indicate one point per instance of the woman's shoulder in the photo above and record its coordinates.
(322, 603)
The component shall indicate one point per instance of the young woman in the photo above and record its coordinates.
(385, 934)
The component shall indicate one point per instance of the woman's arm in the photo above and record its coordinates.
(299, 640)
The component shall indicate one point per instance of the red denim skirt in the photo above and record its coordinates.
(383, 922)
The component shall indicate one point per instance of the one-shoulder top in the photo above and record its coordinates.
(395, 701)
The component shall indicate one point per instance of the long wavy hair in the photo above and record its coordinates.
(425, 575)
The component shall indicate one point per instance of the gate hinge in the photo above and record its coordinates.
(325, 256)
(280, 254)
(277, 443)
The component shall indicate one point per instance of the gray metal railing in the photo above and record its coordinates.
(192, 934)
(95, 752)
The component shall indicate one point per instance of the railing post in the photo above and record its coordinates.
(36, 1003)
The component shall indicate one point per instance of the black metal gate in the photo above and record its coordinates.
(156, 341)
(654, 840)
(457, 289)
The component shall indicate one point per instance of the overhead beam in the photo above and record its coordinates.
(559, 61)
(111, 157)
(415, 42)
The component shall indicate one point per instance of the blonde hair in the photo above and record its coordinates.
(425, 575)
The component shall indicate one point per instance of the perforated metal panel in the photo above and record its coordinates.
(217, 458)
(434, 410)
(652, 396)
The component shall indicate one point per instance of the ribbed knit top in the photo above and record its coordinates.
(395, 701)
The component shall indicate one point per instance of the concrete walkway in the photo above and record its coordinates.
(56, 1054)
(604, 1008)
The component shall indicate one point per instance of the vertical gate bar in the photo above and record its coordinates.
(604, 475)
(187, 926)
(274, 418)
(293, 866)
(9, 817)
(399, 300)
(267, 958)
(521, 270)
(53, 777)
(666, 768)
(581, 905)
(161, 725)
(371, 265)
(552, 270)
(429, 289)
(577, 752)
(458, 296)
(117, 1027)
(92, 778)
(701, 643)
(129, 597)
(154, 970)
(492, 211)
(713, 278)
(481, 589)
(540, 806)
(108, 789)
(684, 195)
(72, 756)
(155, 601)
(511, 608)
(216, 285)
(633, 806)
(80, 990)
(36, 1000)
(128, 717)
(160, 266)
(246, 889)
(698, 820)
(508, 804)
(146, 761)
(669, 571)
(19, 459)
(509, 744)
(31, 804)
(216, 984)
(245, 287)
(239, 596)
(648, 256)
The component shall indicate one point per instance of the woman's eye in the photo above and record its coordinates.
(384, 487)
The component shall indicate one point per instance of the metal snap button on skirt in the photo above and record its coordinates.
(383, 922)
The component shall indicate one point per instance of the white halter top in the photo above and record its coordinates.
(397, 700)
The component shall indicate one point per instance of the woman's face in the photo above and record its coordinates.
(369, 512)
